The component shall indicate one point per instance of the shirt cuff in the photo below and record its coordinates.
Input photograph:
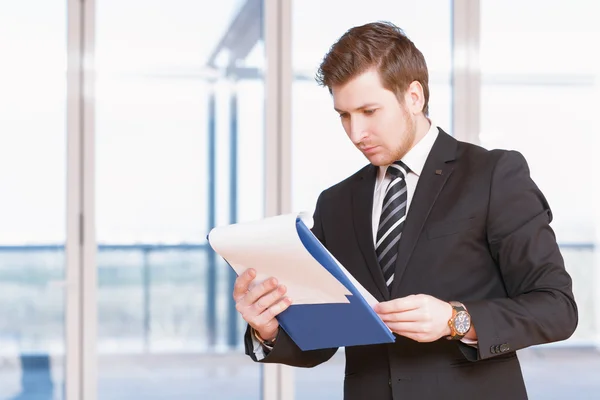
(260, 349)
(470, 342)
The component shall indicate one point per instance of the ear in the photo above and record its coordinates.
(414, 98)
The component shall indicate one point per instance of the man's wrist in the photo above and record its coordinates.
(264, 342)
(447, 330)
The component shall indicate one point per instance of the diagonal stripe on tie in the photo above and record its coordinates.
(390, 250)
(386, 249)
(390, 199)
(387, 265)
(388, 218)
(391, 221)
(395, 228)
(400, 166)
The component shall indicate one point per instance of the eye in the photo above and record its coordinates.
(370, 112)
(343, 115)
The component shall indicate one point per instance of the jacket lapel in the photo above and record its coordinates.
(362, 211)
(436, 171)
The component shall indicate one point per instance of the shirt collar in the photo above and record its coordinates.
(416, 157)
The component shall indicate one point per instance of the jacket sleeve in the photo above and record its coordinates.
(540, 307)
(284, 350)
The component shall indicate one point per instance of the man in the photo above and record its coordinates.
(452, 239)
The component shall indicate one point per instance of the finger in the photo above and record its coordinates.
(397, 305)
(407, 328)
(257, 292)
(267, 317)
(406, 316)
(242, 283)
(269, 299)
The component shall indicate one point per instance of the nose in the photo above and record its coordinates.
(357, 130)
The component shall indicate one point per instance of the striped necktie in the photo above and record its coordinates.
(391, 222)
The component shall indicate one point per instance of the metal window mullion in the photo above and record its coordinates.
(277, 380)
(80, 249)
(270, 372)
(89, 266)
(286, 373)
(466, 71)
(596, 262)
(73, 250)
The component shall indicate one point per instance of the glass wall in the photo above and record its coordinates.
(33, 144)
(179, 149)
(322, 154)
(538, 97)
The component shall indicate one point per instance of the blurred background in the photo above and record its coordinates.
(130, 128)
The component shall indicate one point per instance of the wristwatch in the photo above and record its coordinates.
(460, 322)
(268, 343)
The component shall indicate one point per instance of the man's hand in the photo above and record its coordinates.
(259, 305)
(419, 317)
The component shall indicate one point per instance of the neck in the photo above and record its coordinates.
(423, 124)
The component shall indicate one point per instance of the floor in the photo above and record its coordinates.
(550, 373)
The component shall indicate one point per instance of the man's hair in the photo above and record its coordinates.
(381, 45)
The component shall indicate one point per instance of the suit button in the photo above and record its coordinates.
(493, 349)
(504, 348)
(390, 382)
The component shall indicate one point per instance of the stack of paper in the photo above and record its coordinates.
(329, 307)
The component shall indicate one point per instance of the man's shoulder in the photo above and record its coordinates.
(344, 186)
(468, 152)
(477, 153)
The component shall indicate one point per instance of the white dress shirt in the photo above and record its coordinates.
(415, 161)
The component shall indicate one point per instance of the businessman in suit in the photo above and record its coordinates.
(453, 241)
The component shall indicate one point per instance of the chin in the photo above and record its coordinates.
(379, 160)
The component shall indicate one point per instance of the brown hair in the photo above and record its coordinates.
(382, 45)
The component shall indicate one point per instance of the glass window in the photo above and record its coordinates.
(33, 154)
(322, 154)
(538, 97)
(179, 143)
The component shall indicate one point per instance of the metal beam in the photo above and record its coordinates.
(242, 34)
(278, 381)
(81, 272)
(232, 314)
(466, 72)
(211, 278)
(73, 349)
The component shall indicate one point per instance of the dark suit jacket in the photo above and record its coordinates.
(477, 232)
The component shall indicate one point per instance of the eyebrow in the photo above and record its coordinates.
(368, 105)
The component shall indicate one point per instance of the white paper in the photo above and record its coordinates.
(364, 292)
(273, 248)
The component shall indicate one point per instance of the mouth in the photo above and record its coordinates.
(369, 150)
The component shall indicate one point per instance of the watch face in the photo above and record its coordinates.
(462, 322)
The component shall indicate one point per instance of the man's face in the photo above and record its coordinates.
(378, 124)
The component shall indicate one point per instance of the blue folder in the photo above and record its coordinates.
(319, 326)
